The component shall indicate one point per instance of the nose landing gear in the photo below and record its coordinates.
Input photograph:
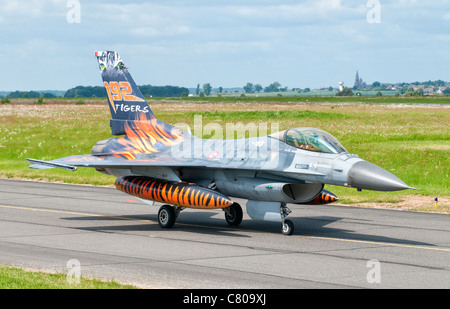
(287, 227)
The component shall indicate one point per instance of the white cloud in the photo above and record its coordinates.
(238, 47)
(13, 11)
(192, 39)
(148, 32)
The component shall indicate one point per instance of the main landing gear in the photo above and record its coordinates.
(168, 214)
(233, 214)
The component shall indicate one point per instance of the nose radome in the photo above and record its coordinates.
(365, 175)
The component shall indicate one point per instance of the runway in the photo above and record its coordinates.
(115, 236)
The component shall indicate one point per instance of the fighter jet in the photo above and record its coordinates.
(157, 162)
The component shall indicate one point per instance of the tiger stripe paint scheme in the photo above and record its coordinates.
(290, 166)
(181, 193)
(324, 197)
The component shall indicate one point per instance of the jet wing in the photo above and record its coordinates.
(72, 162)
(95, 161)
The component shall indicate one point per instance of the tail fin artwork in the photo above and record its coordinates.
(131, 115)
(126, 102)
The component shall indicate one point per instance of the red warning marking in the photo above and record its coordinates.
(213, 155)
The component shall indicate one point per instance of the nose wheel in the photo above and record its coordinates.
(287, 226)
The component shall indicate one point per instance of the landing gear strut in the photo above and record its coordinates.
(287, 227)
(167, 215)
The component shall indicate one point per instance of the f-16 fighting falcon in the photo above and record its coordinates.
(157, 162)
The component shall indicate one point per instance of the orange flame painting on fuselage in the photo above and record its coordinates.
(144, 136)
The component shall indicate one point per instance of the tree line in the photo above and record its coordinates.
(175, 91)
(147, 90)
(100, 92)
(273, 87)
(29, 94)
(248, 88)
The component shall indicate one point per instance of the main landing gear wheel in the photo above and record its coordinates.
(233, 214)
(166, 216)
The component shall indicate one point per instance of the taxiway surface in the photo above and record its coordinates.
(114, 236)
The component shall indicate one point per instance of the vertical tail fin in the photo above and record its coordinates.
(126, 102)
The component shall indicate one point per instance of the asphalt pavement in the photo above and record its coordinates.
(103, 233)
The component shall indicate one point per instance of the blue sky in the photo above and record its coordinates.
(311, 43)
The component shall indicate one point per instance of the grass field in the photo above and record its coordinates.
(410, 140)
(17, 278)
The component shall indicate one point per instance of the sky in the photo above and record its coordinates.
(50, 44)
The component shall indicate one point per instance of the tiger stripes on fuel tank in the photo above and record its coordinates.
(324, 197)
(175, 193)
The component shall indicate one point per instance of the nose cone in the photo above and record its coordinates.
(365, 175)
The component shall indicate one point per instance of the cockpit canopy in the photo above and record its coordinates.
(310, 139)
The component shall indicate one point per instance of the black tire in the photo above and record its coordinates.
(166, 216)
(234, 215)
(287, 228)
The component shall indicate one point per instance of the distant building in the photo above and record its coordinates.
(358, 82)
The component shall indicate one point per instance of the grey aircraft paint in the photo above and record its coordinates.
(157, 160)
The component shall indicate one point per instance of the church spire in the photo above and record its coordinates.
(358, 81)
